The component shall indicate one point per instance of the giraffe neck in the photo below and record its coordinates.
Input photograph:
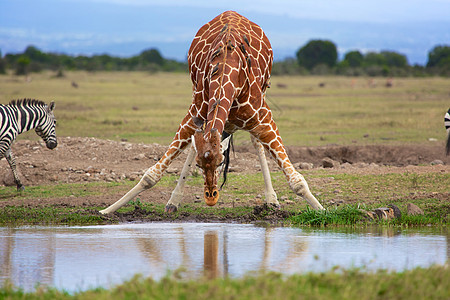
(223, 77)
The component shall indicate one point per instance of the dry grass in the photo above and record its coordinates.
(142, 107)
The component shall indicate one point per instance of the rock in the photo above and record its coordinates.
(329, 163)
(361, 165)
(172, 170)
(384, 213)
(369, 214)
(304, 166)
(139, 156)
(346, 165)
(413, 210)
(8, 178)
(133, 177)
(397, 212)
(437, 162)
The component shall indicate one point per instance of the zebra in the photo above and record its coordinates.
(447, 127)
(22, 115)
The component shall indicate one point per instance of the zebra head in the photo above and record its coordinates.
(46, 127)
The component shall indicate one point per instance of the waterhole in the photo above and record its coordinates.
(80, 258)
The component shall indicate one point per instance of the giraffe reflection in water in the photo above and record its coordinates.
(69, 258)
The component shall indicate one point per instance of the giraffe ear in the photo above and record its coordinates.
(197, 138)
(225, 144)
(198, 122)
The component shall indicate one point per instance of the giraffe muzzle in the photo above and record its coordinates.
(211, 197)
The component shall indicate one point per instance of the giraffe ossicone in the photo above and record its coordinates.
(230, 61)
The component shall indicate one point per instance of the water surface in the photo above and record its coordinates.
(78, 258)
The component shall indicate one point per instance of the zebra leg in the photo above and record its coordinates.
(177, 194)
(12, 163)
(271, 196)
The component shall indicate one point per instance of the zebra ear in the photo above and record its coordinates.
(51, 106)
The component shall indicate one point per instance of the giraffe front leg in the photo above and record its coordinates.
(267, 134)
(269, 192)
(12, 163)
(177, 194)
(153, 174)
(300, 187)
(147, 181)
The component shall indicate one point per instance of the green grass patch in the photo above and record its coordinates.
(341, 194)
(63, 190)
(346, 215)
(419, 283)
(49, 215)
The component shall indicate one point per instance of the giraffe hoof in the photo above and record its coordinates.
(170, 208)
(20, 188)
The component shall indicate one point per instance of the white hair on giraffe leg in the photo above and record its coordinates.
(147, 181)
(177, 194)
(300, 187)
(269, 192)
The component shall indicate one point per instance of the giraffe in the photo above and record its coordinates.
(230, 61)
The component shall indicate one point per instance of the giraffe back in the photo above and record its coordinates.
(229, 42)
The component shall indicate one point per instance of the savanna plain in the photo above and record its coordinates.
(382, 144)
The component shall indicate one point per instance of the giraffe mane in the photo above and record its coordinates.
(225, 36)
(24, 102)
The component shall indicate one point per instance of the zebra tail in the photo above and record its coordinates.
(447, 127)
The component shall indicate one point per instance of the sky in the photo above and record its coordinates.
(127, 27)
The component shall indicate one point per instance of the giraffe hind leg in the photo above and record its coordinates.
(12, 163)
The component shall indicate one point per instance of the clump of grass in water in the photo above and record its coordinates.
(347, 215)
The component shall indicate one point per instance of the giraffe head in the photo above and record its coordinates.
(209, 158)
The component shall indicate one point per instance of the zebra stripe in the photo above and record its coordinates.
(20, 116)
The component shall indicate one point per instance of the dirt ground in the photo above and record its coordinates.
(78, 160)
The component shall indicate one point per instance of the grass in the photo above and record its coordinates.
(341, 194)
(419, 283)
(142, 107)
(48, 215)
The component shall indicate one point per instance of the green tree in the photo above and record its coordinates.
(317, 52)
(439, 56)
(2, 64)
(22, 65)
(36, 55)
(152, 56)
(394, 59)
(354, 59)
